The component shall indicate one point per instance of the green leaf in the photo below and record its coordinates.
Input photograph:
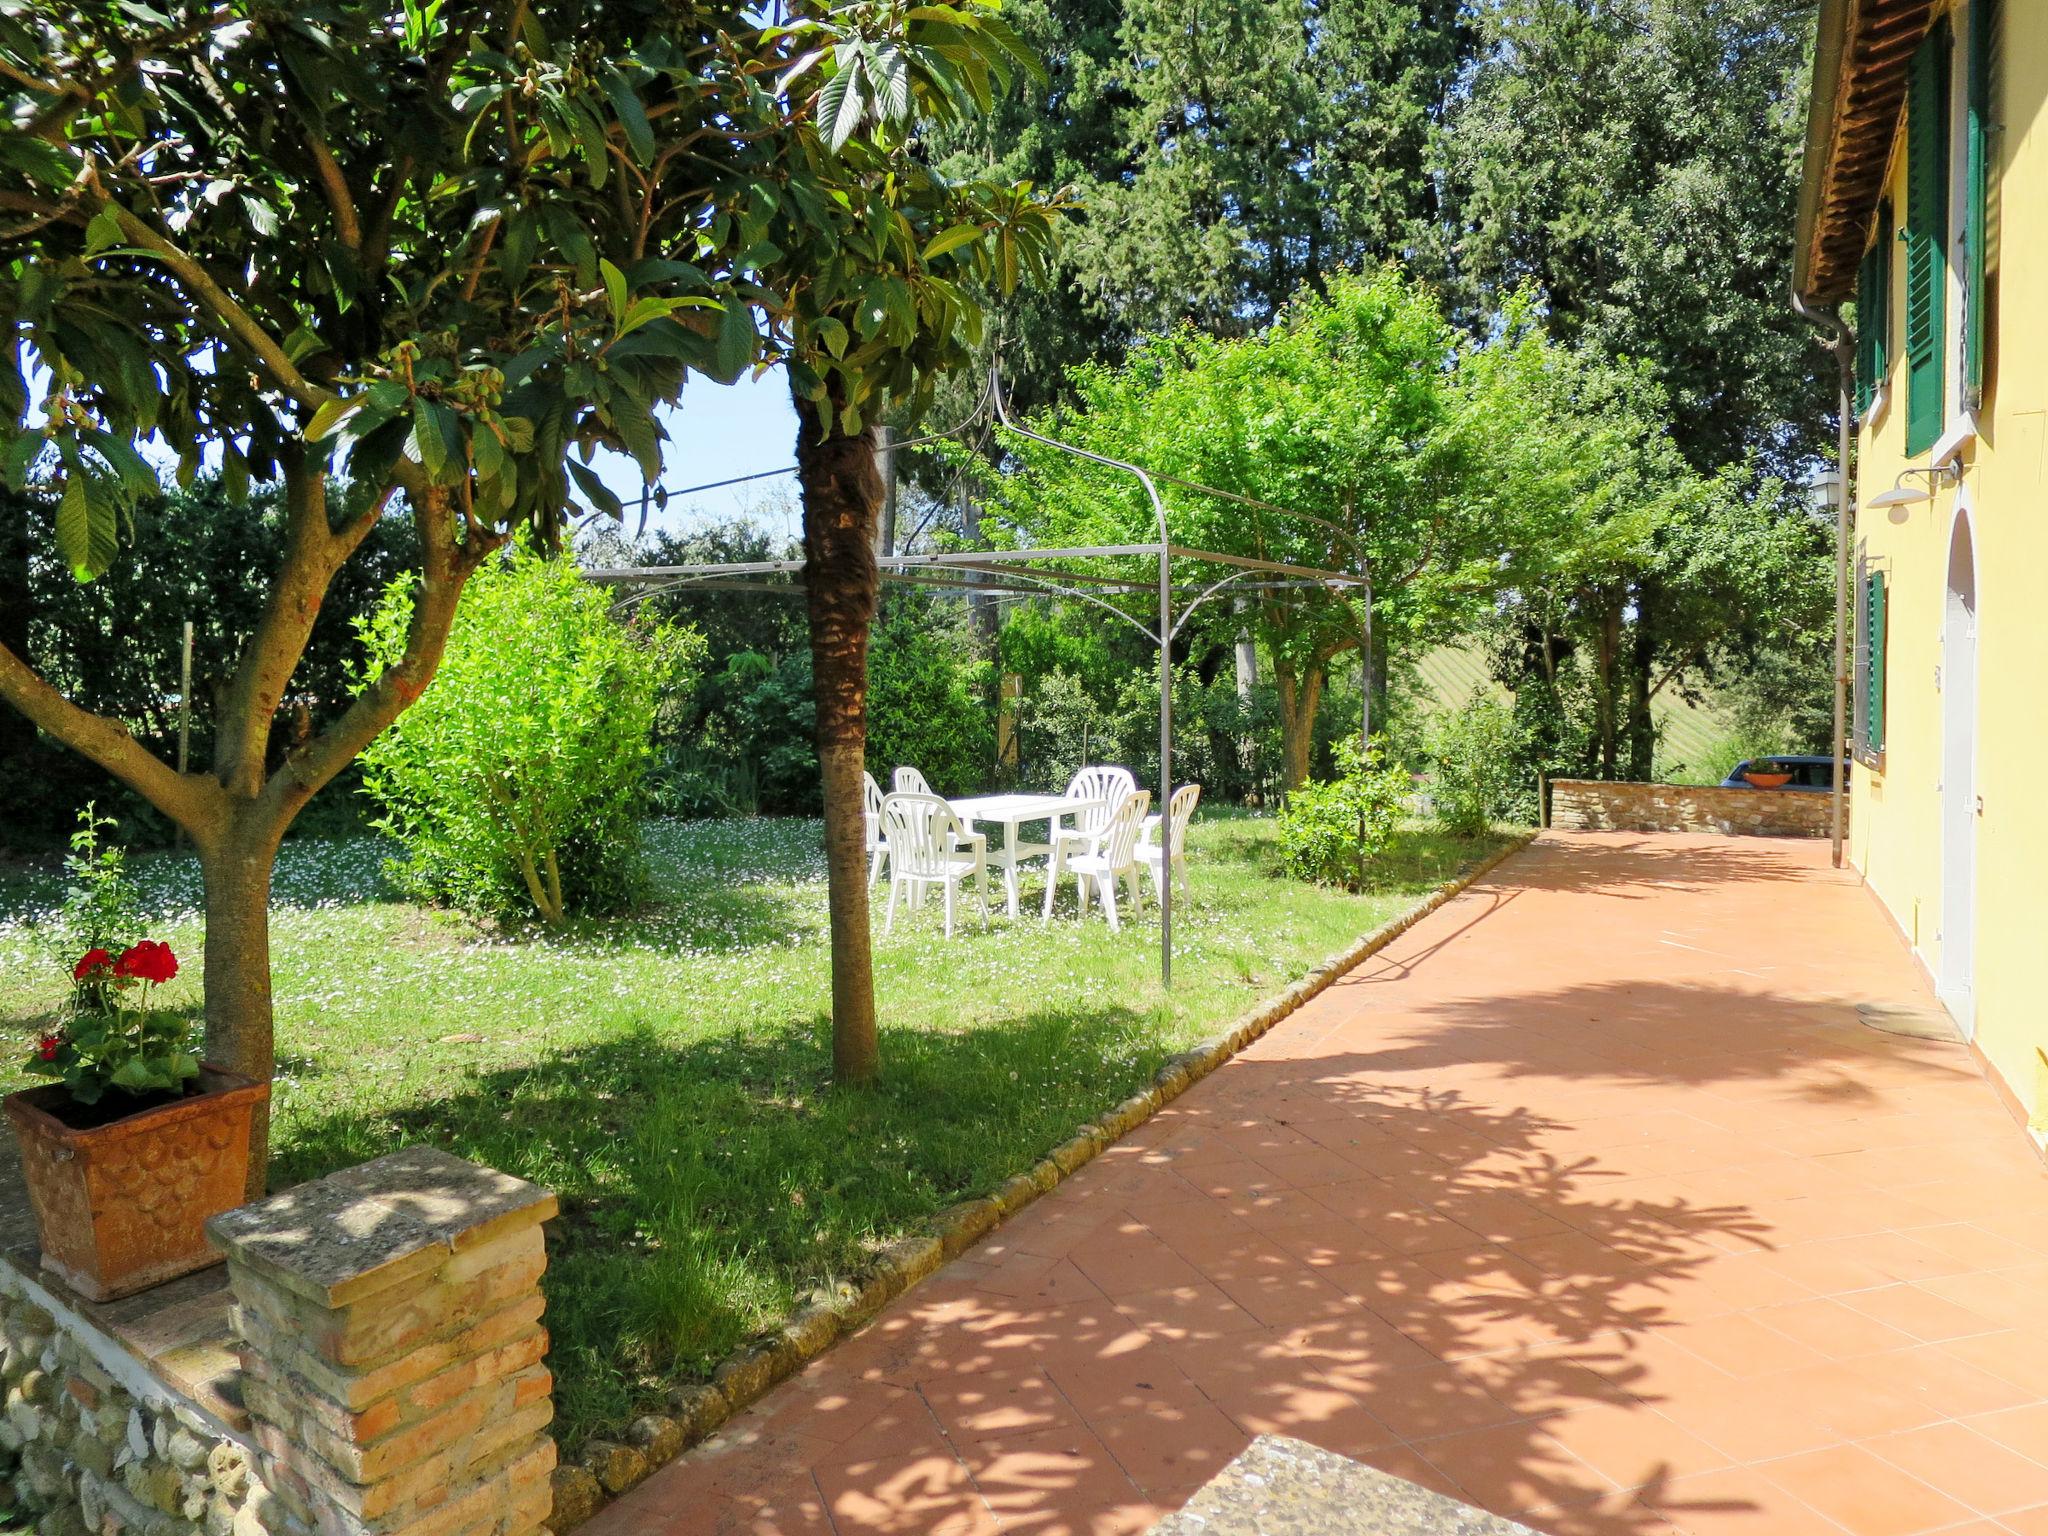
(303, 343)
(137, 478)
(891, 74)
(136, 1076)
(104, 232)
(840, 108)
(39, 160)
(595, 491)
(23, 449)
(632, 115)
(952, 240)
(1006, 250)
(234, 473)
(571, 239)
(88, 523)
(590, 140)
(437, 437)
(896, 299)
(74, 530)
(796, 71)
(833, 334)
(332, 413)
(646, 311)
(662, 269)
(515, 247)
(736, 342)
(615, 291)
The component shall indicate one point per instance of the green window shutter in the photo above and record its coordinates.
(1875, 626)
(1874, 313)
(1866, 314)
(1977, 148)
(1926, 240)
(1859, 725)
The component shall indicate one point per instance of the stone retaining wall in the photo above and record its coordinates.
(389, 1325)
(1592, 805)
(90, 1445)
(386, 1320)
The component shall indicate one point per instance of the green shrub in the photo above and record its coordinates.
(1481, 770)
(516, 782)
(929, 698)
(1063, 727)
(1331, 832)
(744, 744)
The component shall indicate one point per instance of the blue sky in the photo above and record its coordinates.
(721, 431)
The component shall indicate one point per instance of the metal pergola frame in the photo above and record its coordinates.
(1016, 573)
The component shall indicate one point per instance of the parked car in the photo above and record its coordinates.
(1814, 774)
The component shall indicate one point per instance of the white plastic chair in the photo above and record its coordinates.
(928, 846)
(1098, 860)
(871, 815)
(1181, 809)
(1106, 787)
(909, 781)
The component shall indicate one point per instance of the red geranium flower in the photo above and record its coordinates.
(96, 962)
(148, 961)
(48, 1046)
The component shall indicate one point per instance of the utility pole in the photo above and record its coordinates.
(978, 605)
(1247, 655)
(885, 461)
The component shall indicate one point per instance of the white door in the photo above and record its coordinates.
(1959, 779)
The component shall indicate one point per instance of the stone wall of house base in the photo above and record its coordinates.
(92, 1446)
(1592, 805)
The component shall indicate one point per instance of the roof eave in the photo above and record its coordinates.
(1832, 29)
(1863, 55)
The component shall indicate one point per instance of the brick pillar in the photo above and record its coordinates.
(388, 1320)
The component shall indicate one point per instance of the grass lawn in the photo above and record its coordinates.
(669, 1074)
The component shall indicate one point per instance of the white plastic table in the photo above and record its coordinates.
(1010, 812)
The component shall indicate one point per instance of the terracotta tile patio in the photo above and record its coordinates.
(1591, 1200)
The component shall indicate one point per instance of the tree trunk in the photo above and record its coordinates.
(1606, 655)
(237, 865)
(842, 493)
(1301, 693)
(1641, 725)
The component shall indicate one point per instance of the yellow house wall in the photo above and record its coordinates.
(1896, 833)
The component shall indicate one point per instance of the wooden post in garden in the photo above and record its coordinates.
(1008, 750)
(185, 708)
(388, 1322)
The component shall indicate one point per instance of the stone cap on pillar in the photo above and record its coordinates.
(355, 1233)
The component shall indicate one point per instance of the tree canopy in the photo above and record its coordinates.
(1637, 163)
(1339, 413)
(1624, 571)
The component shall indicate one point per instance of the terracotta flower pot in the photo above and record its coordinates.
(1758, 780)
(123, 1206)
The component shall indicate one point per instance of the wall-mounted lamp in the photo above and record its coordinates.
(1904, 495)
(1821, 491)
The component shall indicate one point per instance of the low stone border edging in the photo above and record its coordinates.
(608, 1468)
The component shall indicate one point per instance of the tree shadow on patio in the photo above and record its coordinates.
(1635, 866)
(1398, 1274)
(1698, 1034)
